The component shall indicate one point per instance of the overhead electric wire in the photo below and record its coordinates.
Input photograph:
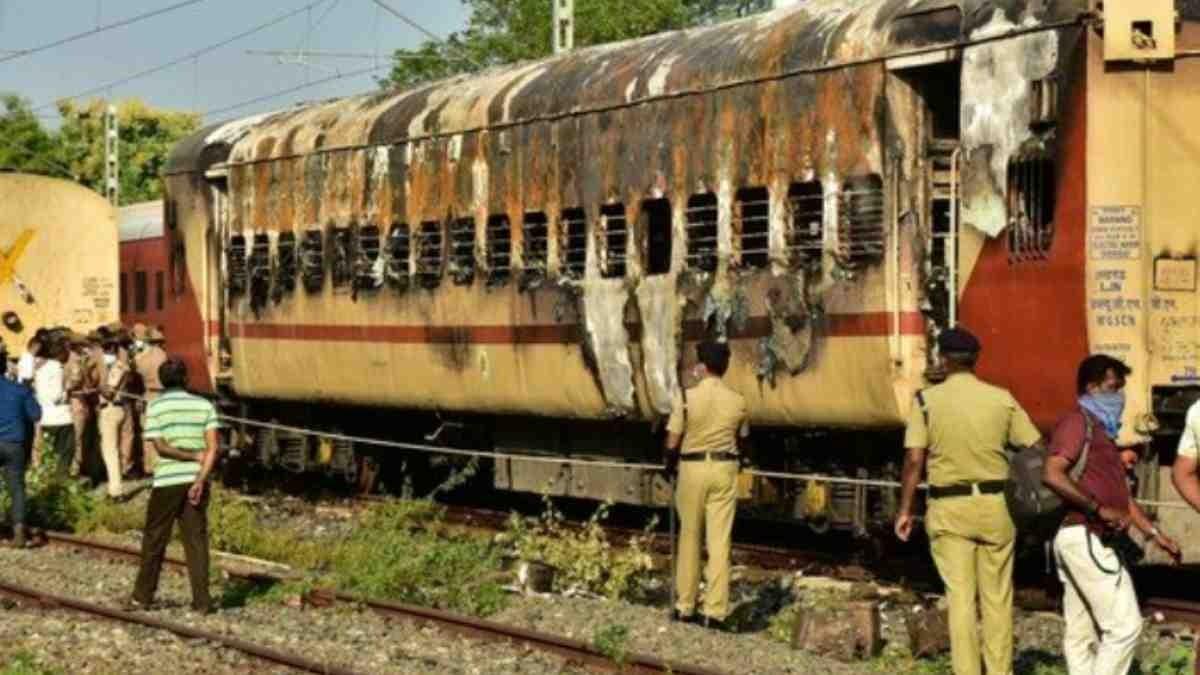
(399, 15)
(187, 57)
(98, 29)
(292, 90)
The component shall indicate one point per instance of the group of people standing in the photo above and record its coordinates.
(93, 385)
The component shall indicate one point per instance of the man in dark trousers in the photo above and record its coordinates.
(183, 428)
(19, 411)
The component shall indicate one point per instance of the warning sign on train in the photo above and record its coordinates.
(1115, 233)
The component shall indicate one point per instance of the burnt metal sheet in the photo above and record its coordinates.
(817, 35)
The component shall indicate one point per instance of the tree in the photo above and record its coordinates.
(24, 145)
(507, 31)
(146, 137)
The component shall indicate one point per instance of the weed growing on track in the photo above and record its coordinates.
(50, 501)
(583, 557)
(612, 640)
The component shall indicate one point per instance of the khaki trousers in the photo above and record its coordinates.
(706, 499)
(112, 417)
(1103, 621)
(81, 414)
(149, 454)
(972, 541)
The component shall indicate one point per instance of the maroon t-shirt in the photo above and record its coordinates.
(1103, 478)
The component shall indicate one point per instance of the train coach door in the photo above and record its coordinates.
(934, 80)
(216, 320)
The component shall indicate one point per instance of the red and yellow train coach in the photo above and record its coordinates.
(532, 249)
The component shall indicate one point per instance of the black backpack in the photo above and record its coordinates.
(1034, 507)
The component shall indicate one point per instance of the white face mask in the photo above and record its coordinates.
(110, 359)
(139, 345)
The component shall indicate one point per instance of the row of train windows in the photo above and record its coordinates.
(141, 292)
(366, 257)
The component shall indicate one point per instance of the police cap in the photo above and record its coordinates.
(959, 341)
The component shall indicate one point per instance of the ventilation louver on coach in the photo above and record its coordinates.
(312, 261)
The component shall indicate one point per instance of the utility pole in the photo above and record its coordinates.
(112, 170)
(564, 25)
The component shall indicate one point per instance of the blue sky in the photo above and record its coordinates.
(219, 79)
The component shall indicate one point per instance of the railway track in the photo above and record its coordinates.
(31, 596)
(573, 651)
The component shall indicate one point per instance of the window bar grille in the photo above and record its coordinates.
(702, 237)
(430, 255)
(499, 250)
(399, 251)
(573, 231)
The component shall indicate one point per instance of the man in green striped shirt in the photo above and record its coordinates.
(183, 429)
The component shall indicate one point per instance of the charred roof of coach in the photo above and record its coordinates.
(818, 35)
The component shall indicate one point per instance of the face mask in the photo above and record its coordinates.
(1108, 407)
(139, 345)
(110, 359)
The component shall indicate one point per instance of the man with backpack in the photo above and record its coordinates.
(963, 426)
(1103, 621)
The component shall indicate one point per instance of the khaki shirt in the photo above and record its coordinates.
(970, 425)
(147, 364)
(716, 417)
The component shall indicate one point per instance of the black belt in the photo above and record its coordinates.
(712, 456)
(987, 487)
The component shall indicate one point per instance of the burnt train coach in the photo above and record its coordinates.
(530, 250)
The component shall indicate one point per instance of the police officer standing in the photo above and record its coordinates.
(960, 428)
(711, 421)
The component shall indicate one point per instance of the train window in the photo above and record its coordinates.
(535, 241)
(124, 293)
(656, 233)
(312, 261)
(341, 265)
(572, 230)
(399, 254)
(861, 230)
(368, 265)
(235, 257)
(462, 251)
(702, 232)
(259, 269)
(499, 250)
(430, 255)
(160, 294)
(1031, 202)
(806, 211)
(752, 226)
(616, 241)
(285, 266)
(139, 292)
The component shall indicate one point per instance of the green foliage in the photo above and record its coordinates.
(1178, 660)
(24, 144)
(50, 501)
(146, 137)
(612, 640)
(24, 663)
(508, 31)
(583, 557)
(76, 150)
(111, 516)
(400, 553)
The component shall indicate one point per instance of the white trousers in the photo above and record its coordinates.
(1103, 621)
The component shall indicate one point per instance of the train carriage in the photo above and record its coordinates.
(532, 249)
(48, 227)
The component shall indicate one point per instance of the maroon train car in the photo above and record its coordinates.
(150, 293)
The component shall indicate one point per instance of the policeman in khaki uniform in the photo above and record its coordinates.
(711, 421)
(962, 427)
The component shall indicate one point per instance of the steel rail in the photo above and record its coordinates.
(466, 626)
(48, 600)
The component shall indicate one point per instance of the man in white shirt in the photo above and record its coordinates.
(1183, 474)
(27, 364)
(58, 427)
